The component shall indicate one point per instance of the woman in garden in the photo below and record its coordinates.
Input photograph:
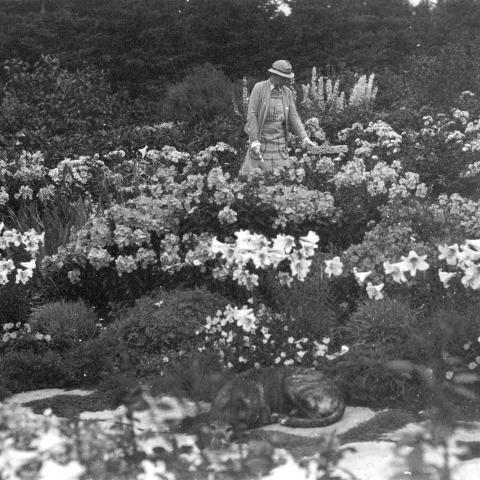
(271, 112)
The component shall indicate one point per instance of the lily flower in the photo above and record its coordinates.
(361, 276)
(449, 253)
(375, 291)
(396, 270)
(413, 262)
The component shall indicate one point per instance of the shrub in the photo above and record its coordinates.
(202, 95)
(66, 322)
(27, 370)
(387, 321)
(31, 368)
(164, 321)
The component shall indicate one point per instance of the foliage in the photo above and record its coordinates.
(246, 338)
(164, 322)
(30, 363)
(44, 100)
(203, 94)
(389, 321)
(14, 303)
(65, 322)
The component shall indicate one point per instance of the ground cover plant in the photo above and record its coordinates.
(146, 256)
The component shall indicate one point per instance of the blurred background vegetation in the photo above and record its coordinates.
(421, 54)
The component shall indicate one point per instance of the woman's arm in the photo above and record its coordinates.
(251, 127)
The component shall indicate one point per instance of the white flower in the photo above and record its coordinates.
(396, 270)
(29, 265)
(143, 151)
(445, 277)
(343, 350)
(70, 471)
(375, 291)
(361, 276)
(312, 237)
(284, 243)
(299, 266)
(448, 253)
(474, 243)
(23, 276)
(413, 262)
(245, 318)
(472, 277)
(334, 267)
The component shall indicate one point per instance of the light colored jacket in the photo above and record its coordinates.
(257, 111)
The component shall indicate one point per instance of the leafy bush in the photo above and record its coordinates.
(34, 365)
(366, 380)
(26, 370)
(387, 321)
(67, 322)
(164, 321)
(203, 94)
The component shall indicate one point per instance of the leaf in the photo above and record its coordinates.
(464, 392)
(400, 366)
(466, 378)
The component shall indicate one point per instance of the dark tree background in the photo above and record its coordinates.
(145, 45)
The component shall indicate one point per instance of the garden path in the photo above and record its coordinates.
(369, 437)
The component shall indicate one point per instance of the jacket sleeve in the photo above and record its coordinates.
(294, 119)
(251, 127)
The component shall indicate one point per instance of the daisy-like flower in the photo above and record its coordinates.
(360, 277)
(334, 267)
(449, 253)
(375, 291)
(445, 277)
(396, 270)
(413, 262)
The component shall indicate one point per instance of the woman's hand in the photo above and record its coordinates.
(308, 144)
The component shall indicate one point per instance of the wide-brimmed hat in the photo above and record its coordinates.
(282, 68)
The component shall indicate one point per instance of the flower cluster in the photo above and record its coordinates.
(254, 250)
(20, 331)
(13, 240)
(247, 338)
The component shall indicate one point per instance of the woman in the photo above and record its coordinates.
(271, 111)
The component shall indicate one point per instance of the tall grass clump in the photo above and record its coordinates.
(69, 321)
